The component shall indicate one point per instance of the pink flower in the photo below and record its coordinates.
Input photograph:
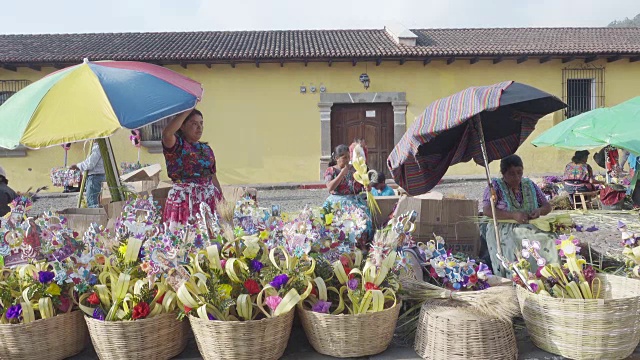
(223, 262)
(273, 302)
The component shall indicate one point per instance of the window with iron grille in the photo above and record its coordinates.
(7, 89)
(10, 87)
(582, 89)
(153, 132)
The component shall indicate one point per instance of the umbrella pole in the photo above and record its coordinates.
(478, 124)
(110, 170)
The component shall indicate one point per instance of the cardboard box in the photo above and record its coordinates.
(449, 218)
(80, 219)
(150, 173)
(141, 181)
(387, 205)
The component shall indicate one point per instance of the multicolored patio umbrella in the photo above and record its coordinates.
(443, 134)
(93, 100)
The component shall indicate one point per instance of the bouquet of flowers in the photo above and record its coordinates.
(30, 292)
(124, 291)
(354, 284)
(453, 272)
(339, 229)
(571, 279)
(243, 273)
(62, 177)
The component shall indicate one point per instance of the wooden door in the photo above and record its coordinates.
(371, 122)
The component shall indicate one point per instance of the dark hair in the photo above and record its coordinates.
(580, 157)
(193, 112)
(377, 177)
(338, 152)
(4, 180)
(510, 161)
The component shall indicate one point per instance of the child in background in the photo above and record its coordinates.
(378, 184)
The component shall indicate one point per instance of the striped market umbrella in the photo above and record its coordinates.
(444, 135)
(482, 124)
(93, 100)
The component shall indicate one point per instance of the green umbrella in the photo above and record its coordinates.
(568, 134)
(619, 128)
(616, 126)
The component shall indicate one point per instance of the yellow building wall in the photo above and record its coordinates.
(263, 130)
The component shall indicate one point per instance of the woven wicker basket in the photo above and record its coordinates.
(239, 340)
(606, 328)
(159, 337)
(350, 335)
(448, 330)
(59, 337)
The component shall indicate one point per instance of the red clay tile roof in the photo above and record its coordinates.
(189, 47)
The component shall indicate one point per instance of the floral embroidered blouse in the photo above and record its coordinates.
(188, 162)
(529, 198)
(577, 172)
(348, 185)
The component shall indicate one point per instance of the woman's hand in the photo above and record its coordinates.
(535, 214)
(520, 217)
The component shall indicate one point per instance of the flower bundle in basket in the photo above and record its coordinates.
(33, 305)
(354, 295)
(131, 314)
(571, 311)
(239, 294)
(458, 296)
(36, 293)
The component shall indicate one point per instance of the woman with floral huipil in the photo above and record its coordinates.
(191, 165)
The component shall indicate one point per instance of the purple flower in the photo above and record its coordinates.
(279, 281)
(579, 228)
(93, 279)
(352, 284)
(591, 228)
(321, 307)
(534, 287)
(621, 224)
(211, 317)
(255, 265)
(98, 314)
(14, 312)
(45, 276)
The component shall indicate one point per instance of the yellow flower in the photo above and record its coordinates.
(53, 289)
(264, 234)
(328, 218)
(285, 217)
(225, 291)
(122, 249)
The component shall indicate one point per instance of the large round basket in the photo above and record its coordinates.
(447, 330)
(350, 335)
(59, 337)
(159, 337)
(605, 328)
(264, 339)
